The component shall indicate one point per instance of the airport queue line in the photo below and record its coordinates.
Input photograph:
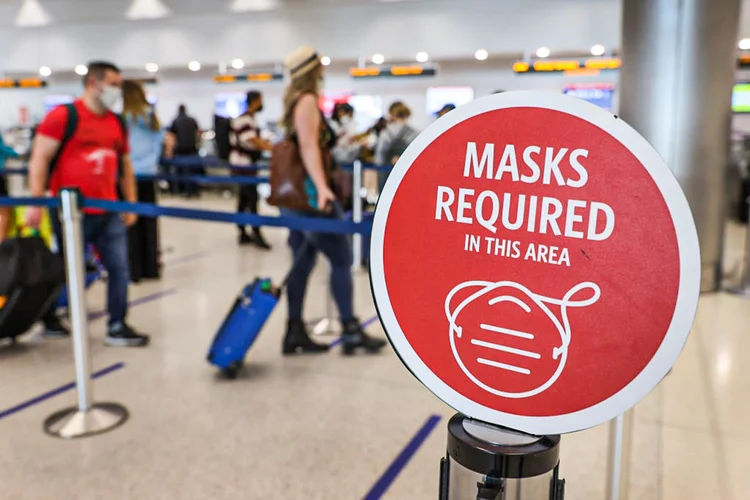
(88, 417)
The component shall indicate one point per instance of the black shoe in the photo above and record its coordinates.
(124, 336)
(297, 341)
(259, 241)
(245, 239)
(54, 329)
(354, 337)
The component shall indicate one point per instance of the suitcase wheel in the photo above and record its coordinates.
(232, 370)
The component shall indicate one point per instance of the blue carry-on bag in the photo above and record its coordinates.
(242, 325)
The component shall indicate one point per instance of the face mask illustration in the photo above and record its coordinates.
(507, 339)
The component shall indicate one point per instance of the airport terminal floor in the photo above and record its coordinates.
(326, 426)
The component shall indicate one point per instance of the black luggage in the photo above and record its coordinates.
(30, 279)
(24, 307)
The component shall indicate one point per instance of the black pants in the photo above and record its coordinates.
(143, 239)
(248, 202)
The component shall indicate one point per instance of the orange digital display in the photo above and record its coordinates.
(251, 77)
(565, 65)
(392, 71)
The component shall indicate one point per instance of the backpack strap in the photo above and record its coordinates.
(123, 128)
(71, 124)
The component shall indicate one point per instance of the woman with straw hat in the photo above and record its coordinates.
(314, 139)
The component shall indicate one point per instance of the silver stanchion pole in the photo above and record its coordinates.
(744, 287)
(618, 463)
(87, 418)
(357, 213)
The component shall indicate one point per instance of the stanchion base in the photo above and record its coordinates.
(71, 423)
(326, 327)
(740, 291)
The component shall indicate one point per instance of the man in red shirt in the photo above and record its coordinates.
(92, 159)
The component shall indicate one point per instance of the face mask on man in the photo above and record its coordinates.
(111, 96)
(346, 120)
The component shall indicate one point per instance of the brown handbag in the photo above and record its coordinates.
(287, 177)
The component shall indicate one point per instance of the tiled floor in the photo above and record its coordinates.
(327, 427)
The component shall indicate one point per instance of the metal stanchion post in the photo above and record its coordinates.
(357, 213)
(618, 466)
(744, 287)
(87, 418)
(328, 324)
(488, 462)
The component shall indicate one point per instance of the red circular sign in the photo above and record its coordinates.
(535, 263)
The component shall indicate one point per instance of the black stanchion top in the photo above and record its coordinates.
(499, 452)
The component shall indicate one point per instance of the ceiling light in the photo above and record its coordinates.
(152, 67)
(422, 57)
(597, 50)
(745, 44)
(325, 60)
(194, 66)
(147, 9)
(481, 55)
(32, 14)
(45, 71)
(238, 63)
(81, 70)
(542, 52)
(253, 5)
(378, 59)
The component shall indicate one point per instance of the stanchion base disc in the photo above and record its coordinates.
(71, 423)
(740, 291)
(326, 327)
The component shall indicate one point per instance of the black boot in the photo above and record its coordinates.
(354, 337)
(258, 240)
(297, 341)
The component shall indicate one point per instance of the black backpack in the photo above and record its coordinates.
(71, 124)
(399, 144)
(223, 130)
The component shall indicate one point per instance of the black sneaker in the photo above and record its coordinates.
(124, 336)
(354, 338)
(54, 329)
(245, 239)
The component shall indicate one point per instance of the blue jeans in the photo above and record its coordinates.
(108, 234)
(305, 247)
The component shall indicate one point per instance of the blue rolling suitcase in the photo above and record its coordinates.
(242, 325)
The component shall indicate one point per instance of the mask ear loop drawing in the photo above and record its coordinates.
(567, 302)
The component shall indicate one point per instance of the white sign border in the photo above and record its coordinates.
(687, 240)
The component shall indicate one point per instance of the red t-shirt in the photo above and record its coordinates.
(89, 160)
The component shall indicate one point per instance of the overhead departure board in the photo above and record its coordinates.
(249, 77)
(562, 65)
(22, 83)
(392, 71)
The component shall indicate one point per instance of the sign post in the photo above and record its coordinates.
(535, 265)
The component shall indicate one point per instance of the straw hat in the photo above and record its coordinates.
(301, 61)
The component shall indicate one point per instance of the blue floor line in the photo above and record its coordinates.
(399, 463)
(364, 325)
(56, 392)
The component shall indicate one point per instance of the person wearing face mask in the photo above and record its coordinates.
(245, 148)
(348, 141)
(85, 146)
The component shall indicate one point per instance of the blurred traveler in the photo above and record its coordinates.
(348, 139)
(85, 145)
(246, 148)
(445, 110)
(146, 140)
(393, 141)
(308, 129)
(186, 133)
